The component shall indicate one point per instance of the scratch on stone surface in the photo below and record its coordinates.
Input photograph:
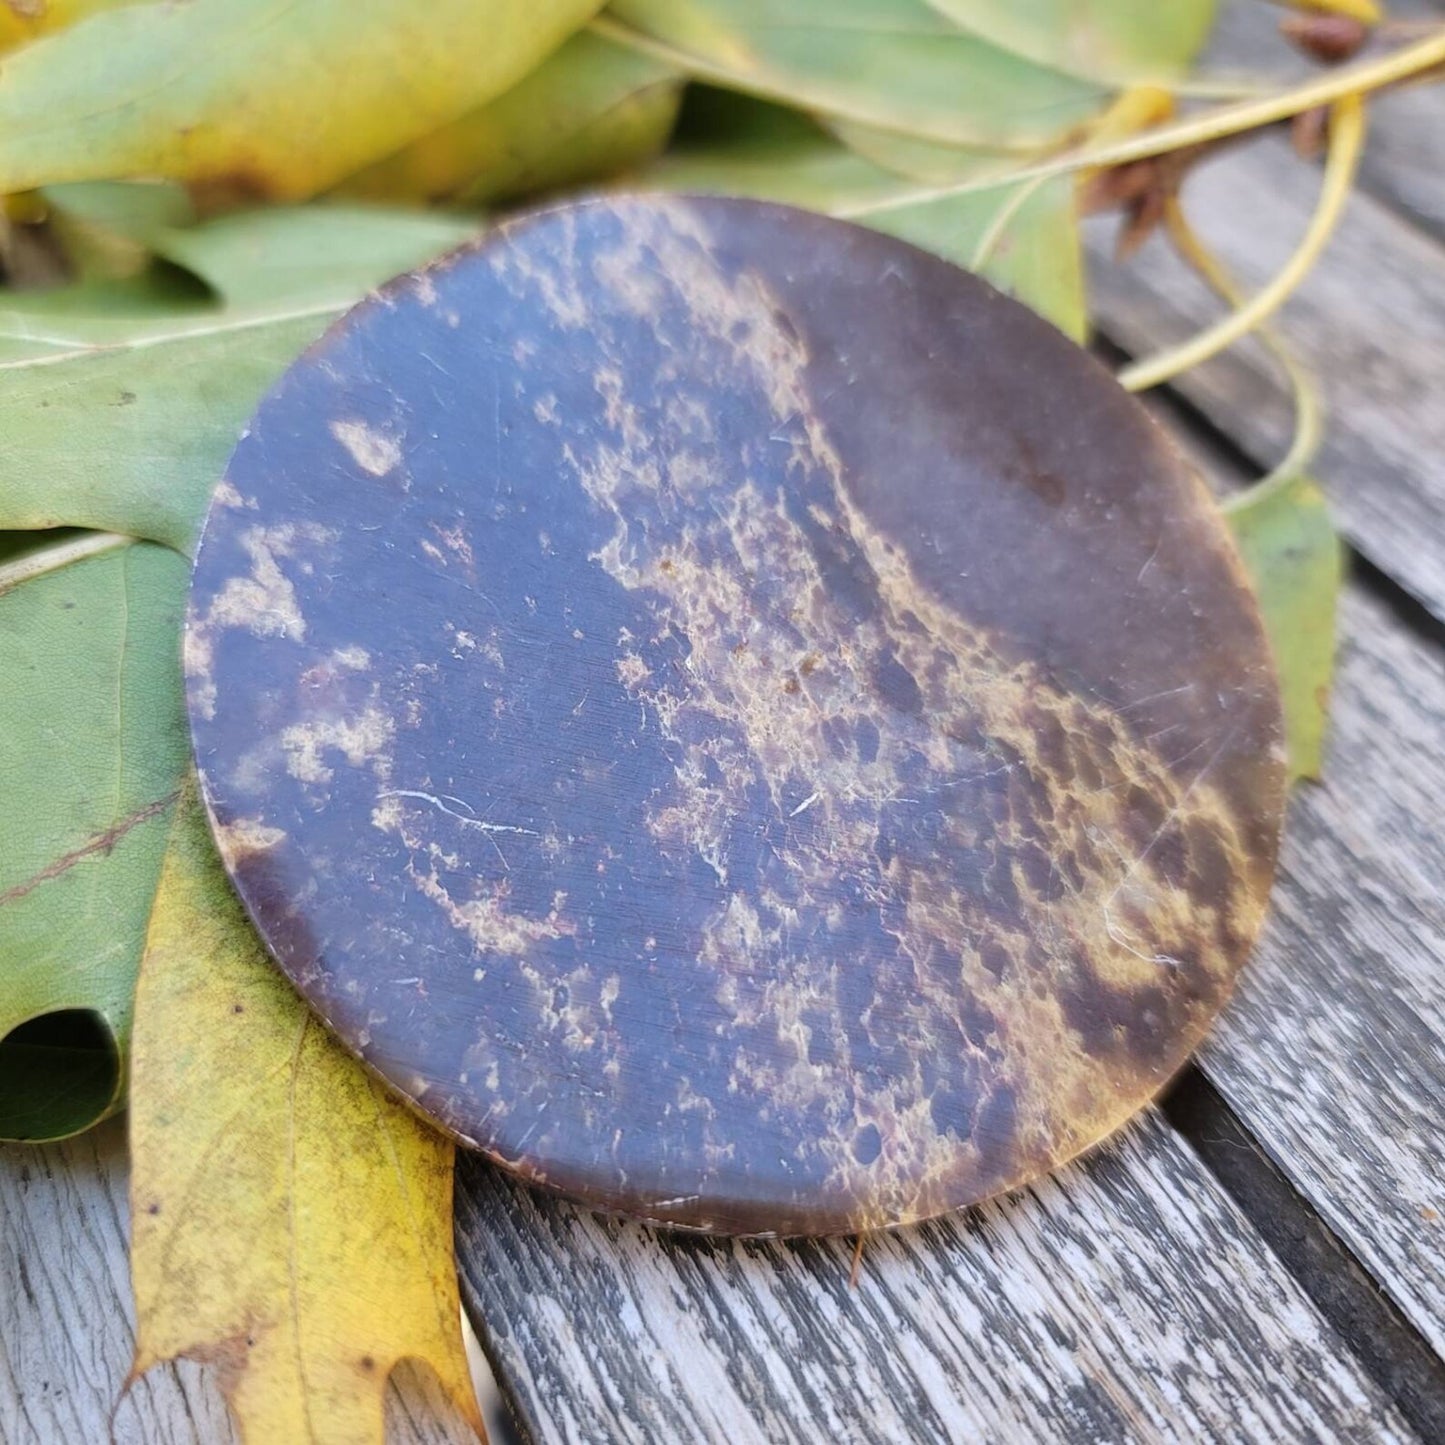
(492, 927)
(467, 821)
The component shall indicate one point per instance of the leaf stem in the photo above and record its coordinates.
(1347, 133)
(1309, 420)
(62, 554)
(1003, 218)
(1212, 125)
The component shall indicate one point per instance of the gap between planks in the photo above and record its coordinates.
(1397, 1356)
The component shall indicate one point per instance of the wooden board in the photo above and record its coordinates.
(67, 1319)
(1405, 158)
(1368, 322)
(1333, 1052)
(1124, 1300)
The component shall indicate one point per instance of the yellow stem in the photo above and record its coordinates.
(1347, 133)
(1309, 421)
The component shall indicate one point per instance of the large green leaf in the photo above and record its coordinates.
(124, 400)
(898, 65)
(259, 97)
(92, 753)
(1025, 236)
(587, 112)
(1296, 563)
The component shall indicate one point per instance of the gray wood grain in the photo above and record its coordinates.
(1406, 154)
(1368, 321)
(67, 1319)
(66, 1313)
(1125, 1299)
(1333, 1053)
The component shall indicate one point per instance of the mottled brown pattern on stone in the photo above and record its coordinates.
(739, 721)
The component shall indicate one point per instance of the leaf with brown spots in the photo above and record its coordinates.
(293, 1222)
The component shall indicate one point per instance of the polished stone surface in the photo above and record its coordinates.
(736, 719)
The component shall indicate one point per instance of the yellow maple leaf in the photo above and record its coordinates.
(292, 1221)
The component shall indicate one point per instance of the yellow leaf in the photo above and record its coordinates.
(292, 1221)
(260, 97)
(590, 110)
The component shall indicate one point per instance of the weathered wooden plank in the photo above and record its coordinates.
(1368, 321)
(1123, 1300)
(67, 1318)
(1333, 1052)
(1406, 155)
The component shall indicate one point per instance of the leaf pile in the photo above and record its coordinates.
(190, 193)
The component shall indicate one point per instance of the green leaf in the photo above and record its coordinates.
(92, 754)
(123, 400)
(895, 64)
(1119, 42)
(928, 161)
(259, 97)
(309, 256)
(590, 110)
(1025, 236)
(1296, 563)
(105, 227)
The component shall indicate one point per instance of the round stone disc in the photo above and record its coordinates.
(736, 719)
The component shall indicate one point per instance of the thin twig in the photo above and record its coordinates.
(1309, 420)
(1347, 133)
(1204, 127)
